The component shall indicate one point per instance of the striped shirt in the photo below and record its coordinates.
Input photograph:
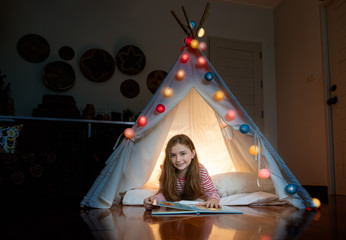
(206, 184)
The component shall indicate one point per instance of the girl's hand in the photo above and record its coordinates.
(211, 203)
(148, 202)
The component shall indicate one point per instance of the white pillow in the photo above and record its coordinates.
(136, 196)
(227, 184)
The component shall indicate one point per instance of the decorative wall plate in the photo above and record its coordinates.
(97, 65)
(129, 88)
(130, 60)
(33, 48)
(59, 76)
(155, 79)
(66, 53)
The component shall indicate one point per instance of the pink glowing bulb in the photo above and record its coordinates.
(264, 173)
(231, 114)
(202, 46)
(180, 75)
(201, 61)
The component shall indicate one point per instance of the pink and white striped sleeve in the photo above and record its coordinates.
(207, 184)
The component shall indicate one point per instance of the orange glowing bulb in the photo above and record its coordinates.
(254, 150)
(168, 92)
(180, 75)
(317, 202)
(219, 95)
(129, 133)
(223, 124)
(194, 43)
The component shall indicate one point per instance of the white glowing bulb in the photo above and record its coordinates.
(168, 92)
(201, 32)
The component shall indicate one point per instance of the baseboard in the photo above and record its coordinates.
(320, 192)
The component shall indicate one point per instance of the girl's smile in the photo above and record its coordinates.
(181, 157)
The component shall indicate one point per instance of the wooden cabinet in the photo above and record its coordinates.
(56, 160)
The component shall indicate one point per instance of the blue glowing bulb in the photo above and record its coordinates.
(209, 76)
(244, 128)
(291, 188)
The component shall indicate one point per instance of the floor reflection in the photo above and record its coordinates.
(134, 222)
(120, 222)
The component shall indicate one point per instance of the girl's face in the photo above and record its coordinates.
(181, 157)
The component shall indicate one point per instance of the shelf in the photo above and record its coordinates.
(13, 118)
(88, 121)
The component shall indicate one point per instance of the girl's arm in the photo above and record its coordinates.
(148, 202)
(210, 194)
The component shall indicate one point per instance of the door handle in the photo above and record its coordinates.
(332, 100)
(333, 88)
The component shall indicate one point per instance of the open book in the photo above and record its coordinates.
(170, 208)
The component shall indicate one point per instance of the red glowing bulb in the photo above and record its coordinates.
(184, 58)
(160, 108)
(142, 121)
(188, 40)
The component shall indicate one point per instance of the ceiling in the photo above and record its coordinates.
(271, 4)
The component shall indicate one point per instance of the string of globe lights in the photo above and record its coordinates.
(192, 32)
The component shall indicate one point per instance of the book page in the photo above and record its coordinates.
(175, 205)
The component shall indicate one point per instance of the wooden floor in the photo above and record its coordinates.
(133, 222)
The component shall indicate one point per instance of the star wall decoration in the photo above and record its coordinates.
(130, 60)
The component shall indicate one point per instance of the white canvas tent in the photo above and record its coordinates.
(193, 110)
(196, 110)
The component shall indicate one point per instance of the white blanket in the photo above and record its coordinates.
(136, 197)
(234, 188)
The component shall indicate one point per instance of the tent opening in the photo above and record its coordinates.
(195, 118)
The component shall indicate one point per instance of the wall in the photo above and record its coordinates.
(300, 92)
(110, 25)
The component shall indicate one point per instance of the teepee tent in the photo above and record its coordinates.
(194, 100)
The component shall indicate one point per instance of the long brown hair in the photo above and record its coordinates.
(168, 179)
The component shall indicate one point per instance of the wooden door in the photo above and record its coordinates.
(336, 29)
(239, 64)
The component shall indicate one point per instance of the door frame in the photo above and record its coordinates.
(328, 95)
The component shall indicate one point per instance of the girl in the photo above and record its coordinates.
(183, 177)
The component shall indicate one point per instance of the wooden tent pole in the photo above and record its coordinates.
(180, 23)
(188, 23)
(204, 16)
